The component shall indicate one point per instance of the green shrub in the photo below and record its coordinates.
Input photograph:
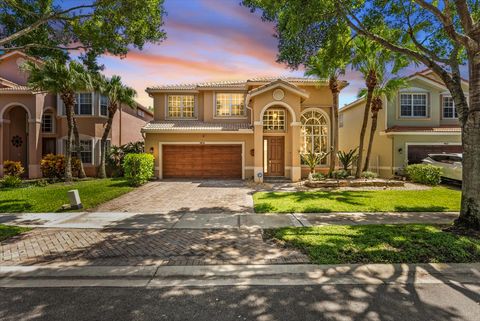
(116, 154)
(318, 176)
(424, 174)
(53, 166)
(312, 159)
(138, 168)
(11, 181)
(340, 174)
(347, 159)
(12, 168)
(369, 175)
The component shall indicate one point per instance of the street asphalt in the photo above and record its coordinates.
(345, 302)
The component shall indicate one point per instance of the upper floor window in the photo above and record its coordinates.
(274, 120)
(103, 105)
(413, 105)
(230, 105)
(47, 123)
(140, 113)
(84, 104)
(181, 106)
(448, 108)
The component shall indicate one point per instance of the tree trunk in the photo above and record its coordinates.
(470, 208)
(78, 151)
(102, 173)
(333, 83)
(370, 82)
(68, 99)
(376, 107)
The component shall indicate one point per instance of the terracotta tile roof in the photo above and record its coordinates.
(193, 126)
(441, 129)
(15, 88)
(240, 84)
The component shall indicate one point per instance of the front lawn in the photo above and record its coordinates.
(435, 199)
(7, 231)
(51, 197)
(409, 243)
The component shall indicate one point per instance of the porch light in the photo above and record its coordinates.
(151, 150)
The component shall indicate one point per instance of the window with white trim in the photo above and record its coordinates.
(229, 104)
(314, 133)
(448, 107)
(103, 105)
(83, 104)
(86, 150)
(274, 120)
(47, 122)
(181, 106)
(413, 105)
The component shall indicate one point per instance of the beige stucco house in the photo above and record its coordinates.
(239, 129)
(421, 119)
(33, 124)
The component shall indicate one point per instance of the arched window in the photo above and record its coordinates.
(314, 133)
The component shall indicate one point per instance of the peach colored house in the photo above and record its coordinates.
(239, 129)
(33, 124)
(421, 119)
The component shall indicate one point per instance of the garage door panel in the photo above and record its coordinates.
(202, 161)
(416, 153)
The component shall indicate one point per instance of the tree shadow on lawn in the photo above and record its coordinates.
(347, 197)
(14, 205)
(413, 243)
(431, 208)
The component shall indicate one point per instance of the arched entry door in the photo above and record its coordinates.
(15, 135)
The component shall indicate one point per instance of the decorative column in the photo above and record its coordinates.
(34, 148)
(258, 148)
(2, 126)
(296, 173)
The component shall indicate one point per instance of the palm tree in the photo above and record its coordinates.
(117, 94)
(59, 78)
(372, 60)
(325, 64)
(388, 88)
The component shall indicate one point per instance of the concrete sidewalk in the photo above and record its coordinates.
(124, 220)
(200, 276)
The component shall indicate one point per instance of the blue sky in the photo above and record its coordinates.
(208, 40)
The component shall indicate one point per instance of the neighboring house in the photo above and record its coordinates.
(239, 129)
(33, 124)
(420, 120)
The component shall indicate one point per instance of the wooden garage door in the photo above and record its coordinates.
(418, 152)
(202, 161)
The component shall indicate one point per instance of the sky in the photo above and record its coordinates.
(208, 40)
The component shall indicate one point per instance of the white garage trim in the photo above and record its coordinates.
(428, 143)
(160, 152)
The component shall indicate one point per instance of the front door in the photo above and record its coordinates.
(274, 157)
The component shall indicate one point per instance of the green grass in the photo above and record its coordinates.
(9, 231)
(410, 243)
(51, 197)
(435, 199)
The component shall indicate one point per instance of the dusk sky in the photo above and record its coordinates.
(208, 40)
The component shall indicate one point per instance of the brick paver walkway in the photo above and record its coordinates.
(202, 196)
(143, 247)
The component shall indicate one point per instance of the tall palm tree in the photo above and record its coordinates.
(372, 60)
(63, 79)
(330, 62)
(387, 88)
(117, 94)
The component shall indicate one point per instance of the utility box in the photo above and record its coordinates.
(74, 198)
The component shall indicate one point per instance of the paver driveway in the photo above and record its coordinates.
(173, 196)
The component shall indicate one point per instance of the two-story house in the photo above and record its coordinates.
(239, 129)
(33, 124)
(420, 120)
